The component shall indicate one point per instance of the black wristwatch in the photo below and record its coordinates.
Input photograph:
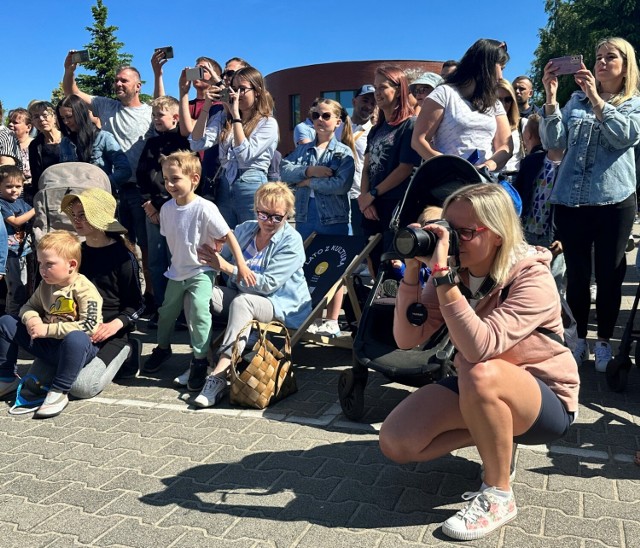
(374, 192)
(448, 279)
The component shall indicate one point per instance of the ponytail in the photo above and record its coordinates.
(347, 132)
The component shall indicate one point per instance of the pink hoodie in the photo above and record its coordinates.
(502, 329)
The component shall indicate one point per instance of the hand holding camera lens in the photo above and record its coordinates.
(431, 244)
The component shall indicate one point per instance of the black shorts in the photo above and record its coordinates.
(553, 420)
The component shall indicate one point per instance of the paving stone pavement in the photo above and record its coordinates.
(139, 467)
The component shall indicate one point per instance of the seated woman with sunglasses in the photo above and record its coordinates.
(516, 380)
(322, 173)
(463, 115)
(247, 134)
(274, 251)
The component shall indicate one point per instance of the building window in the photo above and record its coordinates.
(343, 97)
(294, 103)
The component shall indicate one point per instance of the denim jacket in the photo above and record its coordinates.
(106, 154)
(599, 164)
(282, 281)
(331, 193)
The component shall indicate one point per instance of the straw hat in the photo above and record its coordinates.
(99, 209)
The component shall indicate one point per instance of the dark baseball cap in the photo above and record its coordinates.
(366, 89)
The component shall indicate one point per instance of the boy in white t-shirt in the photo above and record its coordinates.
(188, 221)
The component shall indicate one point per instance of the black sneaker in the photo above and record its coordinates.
(197, 374)
(157, 358)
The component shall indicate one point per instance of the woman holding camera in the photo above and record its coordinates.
(516, 380)
(248, 135)
(595, 189)
(463, 115)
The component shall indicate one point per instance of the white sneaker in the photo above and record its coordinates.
(53, 405)
(581, 353)
(214, 389)
(487, 510)
(329, 328)
(603, 354)
(181, 380)
(313, 328)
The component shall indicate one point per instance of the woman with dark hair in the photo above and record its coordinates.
(84, 142)
(389, 159)
(248, 135)
(463, 115)
(44, 150)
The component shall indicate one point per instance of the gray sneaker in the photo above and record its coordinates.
(53, 405)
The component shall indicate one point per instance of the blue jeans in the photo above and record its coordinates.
(16, 278)
(131, 214)
(70, 354)
(313, 224)
(159, 259)
(235, 200)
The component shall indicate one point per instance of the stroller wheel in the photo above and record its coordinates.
(351, 395)
(618, 372)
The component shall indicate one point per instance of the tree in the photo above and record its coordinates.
(575, 27)
(105, 55)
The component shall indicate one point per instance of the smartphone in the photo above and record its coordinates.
(80, 56)
(569, 64)
(224, 95)
(195, 73)
(168, 51)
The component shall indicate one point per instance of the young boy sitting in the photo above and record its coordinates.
(55, 324)
(16, 214)
(164, 111)
(188, 221)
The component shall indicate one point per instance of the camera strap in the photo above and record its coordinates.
(487, 287)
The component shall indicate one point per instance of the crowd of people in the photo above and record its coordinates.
(219, 219)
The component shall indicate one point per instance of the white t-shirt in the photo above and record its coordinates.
(463, 129)
(186, 229)
(129, 125)
(360, 133)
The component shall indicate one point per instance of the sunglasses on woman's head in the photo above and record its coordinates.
(325, 116)
(264, 216)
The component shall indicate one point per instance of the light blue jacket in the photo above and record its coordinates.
(282, 281)
(331, 193)
(106, 154)
(4, 249)
(599, 164)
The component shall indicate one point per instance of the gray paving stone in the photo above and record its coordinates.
(80, 496)
(33, 489)
(338, 538)
(214, 522)
(596, 507)
(132, 481)
(73, 521)
(91, 476)
(24, 514)
(14, 538)
(283, 530)
(516, 537)
(199, 539)
(605, 530)
(133, 534)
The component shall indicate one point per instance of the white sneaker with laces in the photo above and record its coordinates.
(486, 511)
(603, 354)
(581, 353)
(214, 389)
(53, 404)
(313, 328)
(181, 380)
(329, 328)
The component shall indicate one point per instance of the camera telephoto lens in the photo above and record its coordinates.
(412, 242)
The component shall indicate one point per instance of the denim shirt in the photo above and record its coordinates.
(255, 152)
(282, 281)
(599, 164)
(331, 193)
(106, 154)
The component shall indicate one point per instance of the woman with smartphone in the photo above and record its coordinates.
(464, 115)
(595, 191)
(247, 134)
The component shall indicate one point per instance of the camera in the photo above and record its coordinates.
(195, 73)
(224, 95)
(167, 50)
(81, 56)
(413, 242)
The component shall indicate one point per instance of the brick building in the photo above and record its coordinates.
(294, 89)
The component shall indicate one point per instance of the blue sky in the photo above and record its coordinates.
(271, 35)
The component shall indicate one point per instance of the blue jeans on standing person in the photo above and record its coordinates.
(70, 354)
(159, 260)
(313, 224)
(131, 214)
(235, 200)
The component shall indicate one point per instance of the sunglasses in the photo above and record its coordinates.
(325, 116)
(228, 74)
(506, 99)
(275, 219)
(468, 234)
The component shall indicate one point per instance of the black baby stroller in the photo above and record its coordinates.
(374, 346)
(619, 366)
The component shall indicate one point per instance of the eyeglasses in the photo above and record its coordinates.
(325, 115)
(506, 99)
(242, 90)
(421, 90)
(228, 74)
(42, 116)
(468, 234)
(275, 219)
